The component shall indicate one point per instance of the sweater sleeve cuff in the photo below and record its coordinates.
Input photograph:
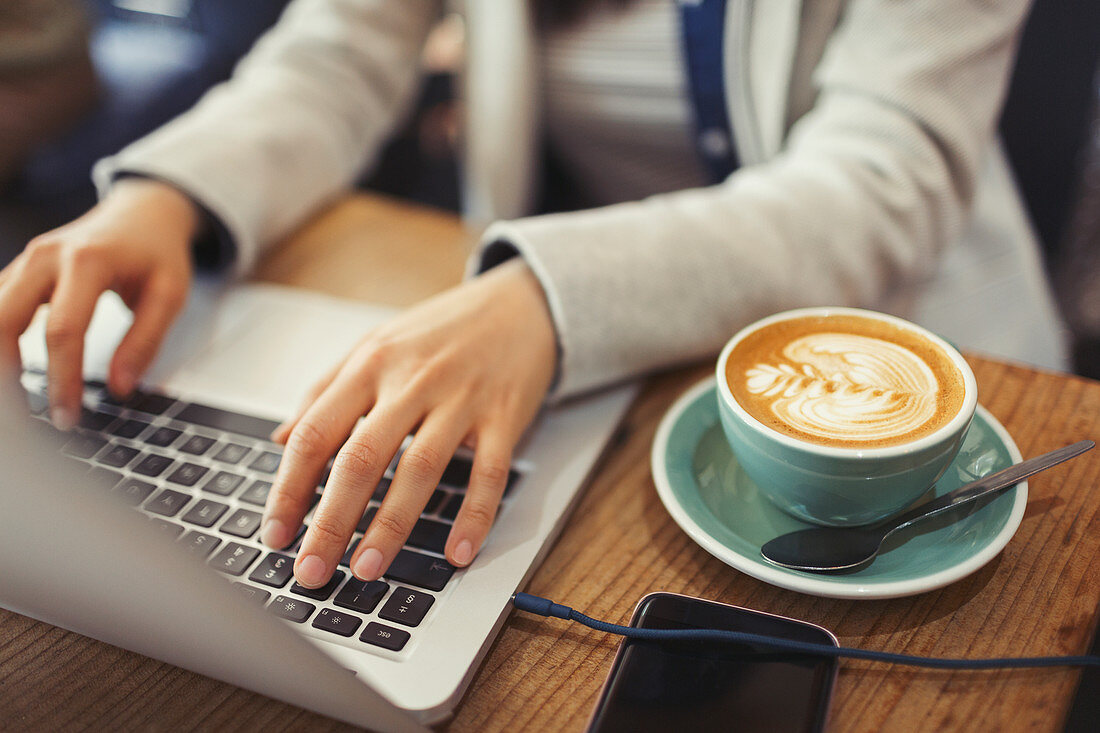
(213, 247)
(221, 243)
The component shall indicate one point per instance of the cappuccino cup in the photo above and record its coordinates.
(842, 416)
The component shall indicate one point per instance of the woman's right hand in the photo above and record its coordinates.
(136, 242)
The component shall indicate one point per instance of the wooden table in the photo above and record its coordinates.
(1040, 596)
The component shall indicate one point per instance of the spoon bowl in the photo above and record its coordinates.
(831, 549)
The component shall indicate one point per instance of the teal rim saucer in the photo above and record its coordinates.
(710, 497)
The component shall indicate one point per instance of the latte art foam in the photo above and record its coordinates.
(847, 387)
(845, 380)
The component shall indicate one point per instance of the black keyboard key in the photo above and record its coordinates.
(256, 493)
(292, 609)
(167, 503)
(365, 520)
(172, 530)
(243, 523)
(361, 595)
(133, 492)
(275, 570)
(223, 483)
(152, 465)
(322, 593)
(150, 403)
(82, 445)
(188, 474)
(117, 456)
(384, 636)
(104, 477)
(450, 509)
(337, 622)
(163, 437)
(253, 593)
(129, 429)
(266, 463)
(437, 498)
(232, 422)
(205, 513)
(95, 421)
(234, 559)
(457, 473)
(199, 543)
(428, 534)
(407, 606)
(232, 453)
(427, 572)
(513, 477)
(346, 559)
(196, 445)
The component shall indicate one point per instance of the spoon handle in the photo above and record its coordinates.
(991, 483)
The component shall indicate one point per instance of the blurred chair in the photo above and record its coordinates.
(1051, 130)
(153, 59)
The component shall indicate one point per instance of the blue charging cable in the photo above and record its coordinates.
(544, 607)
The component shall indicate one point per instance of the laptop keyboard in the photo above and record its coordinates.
(202, 475)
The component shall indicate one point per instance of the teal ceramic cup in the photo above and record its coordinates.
(840, 486)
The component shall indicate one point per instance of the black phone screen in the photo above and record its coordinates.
(697, 686)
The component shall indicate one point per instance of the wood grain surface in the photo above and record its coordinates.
(1040, 596)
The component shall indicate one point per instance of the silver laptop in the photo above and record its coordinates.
(185, 579)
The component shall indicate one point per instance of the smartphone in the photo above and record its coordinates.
(707, 686)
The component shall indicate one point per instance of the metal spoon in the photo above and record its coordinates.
(822, 549)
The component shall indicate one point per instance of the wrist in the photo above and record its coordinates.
(174, 210)
(525, 294)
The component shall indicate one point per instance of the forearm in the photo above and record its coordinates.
(873, 183)
(302, 116)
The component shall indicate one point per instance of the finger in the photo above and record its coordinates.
(283, 431)
(488, 479)
(356, 471)
(74, 299)
(158, 306)
(417, 476)
(20, 298)
(317, 436)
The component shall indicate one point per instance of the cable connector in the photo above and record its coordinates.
(541, 606)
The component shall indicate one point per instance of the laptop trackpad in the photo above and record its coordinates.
(252, 348)
(274, 344)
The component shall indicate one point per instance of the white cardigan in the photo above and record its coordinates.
(869, 172)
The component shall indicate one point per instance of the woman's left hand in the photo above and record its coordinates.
(469, 366)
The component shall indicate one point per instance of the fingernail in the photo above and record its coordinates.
(63, 418)
(369, 565)
(312, 572)
(464, 553)
(274, 534)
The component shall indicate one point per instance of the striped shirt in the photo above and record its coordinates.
(616, 103)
